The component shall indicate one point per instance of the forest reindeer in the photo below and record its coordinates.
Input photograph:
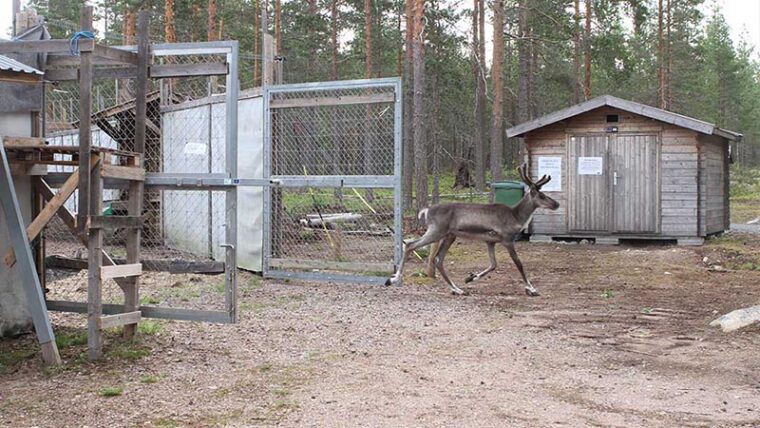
(491, 223)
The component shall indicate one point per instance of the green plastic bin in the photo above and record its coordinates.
(507, 192)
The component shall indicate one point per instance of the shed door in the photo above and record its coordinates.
(588, 201)
(633, 170)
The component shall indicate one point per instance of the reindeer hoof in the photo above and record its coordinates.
(470, 278)
(388, 281)
(458, 292)
(532, 292)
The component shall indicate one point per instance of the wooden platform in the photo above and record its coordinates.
(616, 239)
(37, 152)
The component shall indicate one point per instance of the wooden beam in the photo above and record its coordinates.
(47, 213)
(155, 71)
(333, 101)
(117, 55)
(147, 311)
(13, 142)
(19, 77)
(121, 271)
(122, 172)
(101, 73)
(113, 222)
(170, 266)
(48, 194)
(136, 188)
(45, 46)
(110, 321)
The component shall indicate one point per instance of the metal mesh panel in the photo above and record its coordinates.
(330, 145)
(183, 228)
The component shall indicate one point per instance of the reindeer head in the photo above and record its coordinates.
(534, 193)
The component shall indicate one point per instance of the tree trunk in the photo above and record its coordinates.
(480, 95)
(577, 53)
(130, 21)
(587, 55)
(434, 138)
(400, 54)
(420, 148)
(256, 45)
(170, 32)
(662, 92)
(211, 26)
(523, 66)
(497, 114)
(312, 49)
(408, 155)
(368, 38)
(334, 39)
(669, 69)
(195, 22)
(277, 27)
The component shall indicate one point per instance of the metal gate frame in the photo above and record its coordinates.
(332, 181)
(208, 181)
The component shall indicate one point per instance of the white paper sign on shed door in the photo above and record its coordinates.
(589, 166)
(551, 165)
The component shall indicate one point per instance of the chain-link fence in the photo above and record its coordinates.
(335, 150)
(183, 228)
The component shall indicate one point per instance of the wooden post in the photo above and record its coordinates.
(94, 263)
(85, 113)
(136, 188)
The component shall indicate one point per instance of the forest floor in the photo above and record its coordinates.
(619, 337)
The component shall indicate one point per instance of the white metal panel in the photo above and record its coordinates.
(250, 199)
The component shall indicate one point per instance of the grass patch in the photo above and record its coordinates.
(149, 328)
(149, 379)
(112, 391)
(12, 359)
(149, 300)
(65, 340)
(219, 288)
(131, 351)
(608, 294)
(166, 423)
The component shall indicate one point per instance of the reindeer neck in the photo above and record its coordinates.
(524, 209)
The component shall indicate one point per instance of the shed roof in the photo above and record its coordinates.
(630, 106)
(10, 64)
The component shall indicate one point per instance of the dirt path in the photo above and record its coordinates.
(618, 338)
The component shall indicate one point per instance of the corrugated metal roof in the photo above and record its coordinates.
(8, 64)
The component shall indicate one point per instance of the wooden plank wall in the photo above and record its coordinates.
(680, 186)
(678, 166)
(549, 141)
(712, 205)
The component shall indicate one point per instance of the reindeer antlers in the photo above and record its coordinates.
(523, 170)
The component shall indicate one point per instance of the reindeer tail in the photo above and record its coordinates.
(423, 214)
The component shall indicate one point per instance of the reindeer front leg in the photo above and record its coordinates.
(529, 289)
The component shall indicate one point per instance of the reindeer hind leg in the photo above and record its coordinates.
(442, 250)
(431, 235)
(489, 269)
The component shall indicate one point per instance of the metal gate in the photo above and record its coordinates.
(333, 211)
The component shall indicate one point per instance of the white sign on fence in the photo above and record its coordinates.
(196, 149)
(589, 166)
(551, 165)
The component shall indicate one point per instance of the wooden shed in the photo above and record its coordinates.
(624, 170)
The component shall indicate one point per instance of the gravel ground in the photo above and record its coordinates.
(619, 337)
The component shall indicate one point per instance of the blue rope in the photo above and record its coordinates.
(74, 42)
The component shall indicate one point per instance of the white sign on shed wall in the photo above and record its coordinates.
(551, 165)
(590, 165)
